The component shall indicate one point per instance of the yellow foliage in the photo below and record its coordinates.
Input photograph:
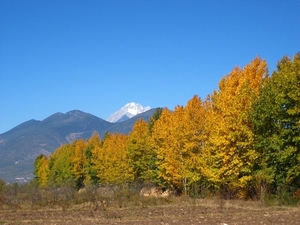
(141, 155)
(178, 139)
(113, 162)
(79, 160)
(230, 137)
(42, 170)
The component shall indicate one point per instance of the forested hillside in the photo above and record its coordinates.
(21, 145)
(242, 141)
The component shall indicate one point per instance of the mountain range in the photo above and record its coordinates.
(21, 145)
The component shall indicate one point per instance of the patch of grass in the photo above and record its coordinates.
(282, 199)
(112, 215)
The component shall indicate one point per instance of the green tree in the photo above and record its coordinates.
(61, 165)
(92, 146)
(154, 118)
(276, 119)
(2, 185)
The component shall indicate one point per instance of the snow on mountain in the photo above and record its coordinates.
(127, 111)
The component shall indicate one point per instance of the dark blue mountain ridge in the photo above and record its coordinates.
(22, 144)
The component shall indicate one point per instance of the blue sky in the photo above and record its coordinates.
(97, 55)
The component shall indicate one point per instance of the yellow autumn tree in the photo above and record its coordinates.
(141, 155)
(169, 173)
(178, 139)
(84, 159)
(113, 161)
(230, 139)
(194, 137)
(41, 170)
(79, 162)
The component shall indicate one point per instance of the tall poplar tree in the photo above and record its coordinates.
(61, 165)
(230, 138)
(276, 119)
(113, 161)
(79, 162)
(178, 139)
(41, 170)
(92, 147)
(141, 155)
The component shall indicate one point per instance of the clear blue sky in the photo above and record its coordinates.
(97, 55)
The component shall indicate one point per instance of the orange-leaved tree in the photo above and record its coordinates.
(178, 139)
(230, 139)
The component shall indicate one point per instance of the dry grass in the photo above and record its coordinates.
(175, 210)
(124, 206)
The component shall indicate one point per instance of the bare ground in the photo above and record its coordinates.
(200, 212)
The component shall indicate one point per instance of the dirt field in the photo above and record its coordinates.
(203, 212)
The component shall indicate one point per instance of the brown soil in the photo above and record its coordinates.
(185, 213)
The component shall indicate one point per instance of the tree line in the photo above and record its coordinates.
(242, 140)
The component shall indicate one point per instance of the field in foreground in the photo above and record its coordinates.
(196, 212)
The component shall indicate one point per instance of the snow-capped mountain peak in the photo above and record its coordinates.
(127, 111)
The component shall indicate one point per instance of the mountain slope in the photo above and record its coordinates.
(21, 145)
